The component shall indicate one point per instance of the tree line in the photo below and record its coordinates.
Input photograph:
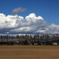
(28, 39)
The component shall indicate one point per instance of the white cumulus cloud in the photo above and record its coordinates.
(29, 24)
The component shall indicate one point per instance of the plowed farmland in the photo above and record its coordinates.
(29, 52)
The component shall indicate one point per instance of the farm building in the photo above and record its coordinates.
(55, 43)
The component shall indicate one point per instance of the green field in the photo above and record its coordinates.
(29, 52)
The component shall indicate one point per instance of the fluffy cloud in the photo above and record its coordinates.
(14, 24)
(18, 10)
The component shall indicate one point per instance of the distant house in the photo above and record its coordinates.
(55, 43)
(35, 43)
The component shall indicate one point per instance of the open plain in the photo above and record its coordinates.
(29, 52)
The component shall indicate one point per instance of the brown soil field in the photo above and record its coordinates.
(29, 52)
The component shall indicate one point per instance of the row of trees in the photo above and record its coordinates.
(27, 39)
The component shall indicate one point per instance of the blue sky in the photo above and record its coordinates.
(48, 9)
(34, 16)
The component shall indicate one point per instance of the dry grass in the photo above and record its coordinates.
(29, 52)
